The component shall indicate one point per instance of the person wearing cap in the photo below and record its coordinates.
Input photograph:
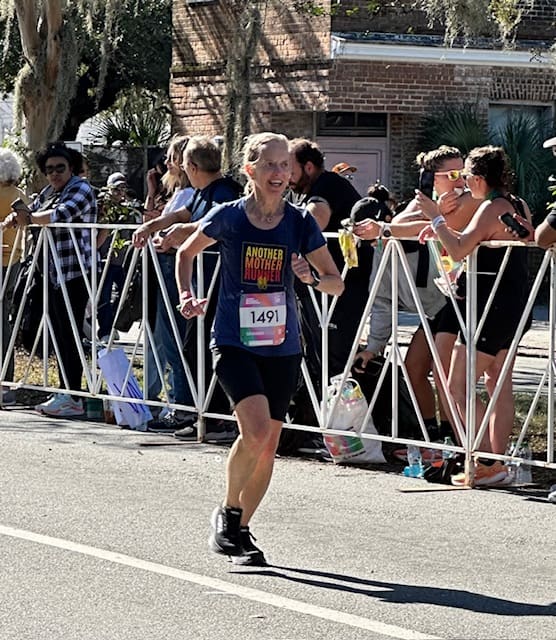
(344, 169)
(69, 199)
(380, 317)
(113, 245)
(545, 233)
(444, 166)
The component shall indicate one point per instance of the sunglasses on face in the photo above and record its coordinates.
(55, 168)
(452, 175)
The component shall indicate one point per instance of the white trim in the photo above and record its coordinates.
(218, 587)
(343, 49)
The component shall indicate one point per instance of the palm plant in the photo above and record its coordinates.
(522, 137)
(454, 125)
(137, 118)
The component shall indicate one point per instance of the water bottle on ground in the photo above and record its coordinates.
(446, 455)
(414, 467)
(524, 475)
(511, 465)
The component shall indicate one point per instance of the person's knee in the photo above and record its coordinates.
(256, 438)
(457, 391)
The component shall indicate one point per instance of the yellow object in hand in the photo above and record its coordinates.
(447, 263)
(348, 245)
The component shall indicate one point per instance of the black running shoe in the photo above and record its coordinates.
(173, 421)
(251, 555)
(225, 537)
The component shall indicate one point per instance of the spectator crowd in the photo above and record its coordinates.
(461, 202)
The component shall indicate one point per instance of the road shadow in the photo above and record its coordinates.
(403, 594)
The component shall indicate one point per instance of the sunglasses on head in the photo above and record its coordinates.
(55, 168)
(452, 175)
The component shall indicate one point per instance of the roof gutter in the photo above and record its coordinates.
(349, 49)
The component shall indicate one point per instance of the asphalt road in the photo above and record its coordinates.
(101, 538)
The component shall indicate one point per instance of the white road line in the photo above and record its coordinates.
(247, 593)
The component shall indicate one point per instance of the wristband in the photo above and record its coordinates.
(185, 295)
(437, 222)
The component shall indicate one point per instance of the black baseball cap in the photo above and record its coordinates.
(366, 208)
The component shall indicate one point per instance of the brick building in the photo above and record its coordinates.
(359, 84)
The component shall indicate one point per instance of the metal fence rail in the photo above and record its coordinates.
(140, 340)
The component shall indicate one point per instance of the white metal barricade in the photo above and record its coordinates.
(140, 340)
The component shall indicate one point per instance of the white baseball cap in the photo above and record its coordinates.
(116, 179)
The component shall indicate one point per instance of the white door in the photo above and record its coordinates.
(368, 155)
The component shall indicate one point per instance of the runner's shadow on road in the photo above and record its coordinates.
(404, 594)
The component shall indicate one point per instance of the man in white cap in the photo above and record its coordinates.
(116, 179)
(545, 233)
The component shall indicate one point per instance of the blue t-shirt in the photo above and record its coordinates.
(257, 261)
(200, 203)
(220, 190)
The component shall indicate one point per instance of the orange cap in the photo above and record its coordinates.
(343, 167)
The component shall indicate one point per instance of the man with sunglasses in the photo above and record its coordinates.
(70, 199)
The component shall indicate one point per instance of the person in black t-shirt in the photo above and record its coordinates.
(329, 197)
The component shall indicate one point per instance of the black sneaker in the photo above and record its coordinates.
(225, 537)
(173, 421)
(251, 555)
(224, 431)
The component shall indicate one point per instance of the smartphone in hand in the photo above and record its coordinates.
(514, 224)
(426, 182)
(19, 205)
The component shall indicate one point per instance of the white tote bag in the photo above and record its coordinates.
(115, 367)
(349, 416)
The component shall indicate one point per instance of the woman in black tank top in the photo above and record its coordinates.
(486, 173)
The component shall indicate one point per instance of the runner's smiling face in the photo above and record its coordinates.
(271, 172)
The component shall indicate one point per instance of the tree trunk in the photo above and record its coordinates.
(238, 73)
(38, 80)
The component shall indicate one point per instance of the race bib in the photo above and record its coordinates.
(262, 319)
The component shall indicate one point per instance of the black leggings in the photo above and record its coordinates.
(69, 354)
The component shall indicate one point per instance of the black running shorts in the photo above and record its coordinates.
(242, 373)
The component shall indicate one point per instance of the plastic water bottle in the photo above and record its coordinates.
(446, 455)
(414, 467)
(511, 465)
(523, 472)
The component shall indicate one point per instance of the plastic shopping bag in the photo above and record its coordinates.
(349, 415)
(115, 367)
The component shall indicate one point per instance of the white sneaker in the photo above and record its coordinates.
(61, 405)
(47, 403)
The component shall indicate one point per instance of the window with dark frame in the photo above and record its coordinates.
(351, 123)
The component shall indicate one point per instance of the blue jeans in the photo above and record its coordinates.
(167, 350)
